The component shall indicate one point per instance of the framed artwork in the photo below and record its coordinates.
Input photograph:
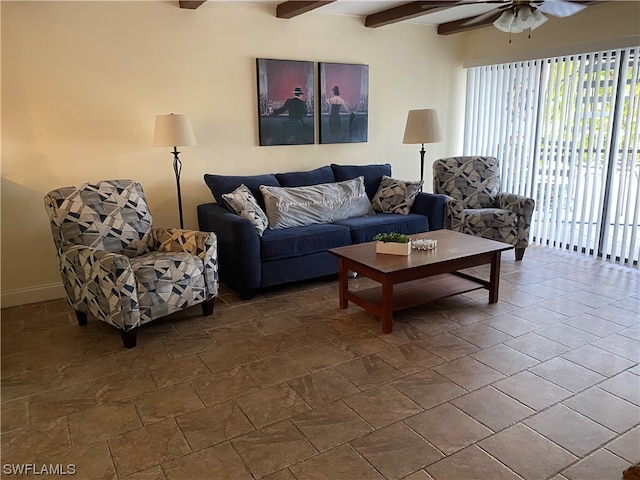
(285, 102)
(344, 102)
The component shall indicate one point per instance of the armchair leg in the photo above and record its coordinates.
(519, 253)
(129, 338)
(82, 317)
(207, 307)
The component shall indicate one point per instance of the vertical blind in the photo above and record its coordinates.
(566, 132)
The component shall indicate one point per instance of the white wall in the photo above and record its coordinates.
(82, 83)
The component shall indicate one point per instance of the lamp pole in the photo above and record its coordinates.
(177, 168)
(422, 127)
(173, 131)
(421, 167)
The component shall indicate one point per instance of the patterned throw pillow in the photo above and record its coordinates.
(323, 203)
(245, 205)
(395, 196)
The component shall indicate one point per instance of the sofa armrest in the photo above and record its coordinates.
(238, 247)
(432, 206)
(101, 284)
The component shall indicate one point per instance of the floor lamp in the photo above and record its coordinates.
(174, 131)
(422, 127)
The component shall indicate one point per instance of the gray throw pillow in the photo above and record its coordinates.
(244, 204)
(395, 196)
(322, 203)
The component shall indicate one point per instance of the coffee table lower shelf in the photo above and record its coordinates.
(413, 293)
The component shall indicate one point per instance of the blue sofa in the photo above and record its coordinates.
(248, 262)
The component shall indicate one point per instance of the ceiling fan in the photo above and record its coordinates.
(520, 15)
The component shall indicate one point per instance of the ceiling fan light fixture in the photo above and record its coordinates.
(539, 19)
(507, 24)
(519, 19)
(504, 22)
(523, 17)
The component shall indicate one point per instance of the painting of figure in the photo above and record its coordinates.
(285, 102)
(344, 102)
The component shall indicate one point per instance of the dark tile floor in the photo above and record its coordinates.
(545, 384)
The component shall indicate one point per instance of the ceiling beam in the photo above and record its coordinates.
(190, 4)
(408, 11)
(466, 24)
(294, 8)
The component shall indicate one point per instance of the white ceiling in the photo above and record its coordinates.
(362, 8)
(478, 10)
(367, 7)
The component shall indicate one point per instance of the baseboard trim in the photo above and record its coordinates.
(24, 296)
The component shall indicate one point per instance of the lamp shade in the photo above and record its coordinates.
(173, 131)
(422, 127)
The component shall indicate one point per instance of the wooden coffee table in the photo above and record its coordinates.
(418, 278)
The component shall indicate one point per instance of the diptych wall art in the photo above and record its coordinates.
(285, 102)
(343, 102)
(286, 113)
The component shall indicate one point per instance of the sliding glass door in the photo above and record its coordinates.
(566, 132)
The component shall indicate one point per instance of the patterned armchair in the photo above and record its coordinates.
(475, 204)
(118, 268)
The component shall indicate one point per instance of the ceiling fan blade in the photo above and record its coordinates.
(482, 17)
(560, 8)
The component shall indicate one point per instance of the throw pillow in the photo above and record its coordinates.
(221, 184)
(395, 196)
(323, 203)
(244, 204)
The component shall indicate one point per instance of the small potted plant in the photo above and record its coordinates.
(393, 243)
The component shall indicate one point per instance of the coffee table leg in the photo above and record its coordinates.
(387, 307)
(343, 283)
(494, 278)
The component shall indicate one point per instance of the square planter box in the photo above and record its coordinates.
(393, 248)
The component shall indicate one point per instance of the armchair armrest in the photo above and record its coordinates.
(518, 204)
(201, 244)
(238, 247)
(523, 207)
(432, 206)
(102, 284)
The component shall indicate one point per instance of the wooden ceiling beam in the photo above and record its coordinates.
(294, 8)
(190, 4)
(408, 11)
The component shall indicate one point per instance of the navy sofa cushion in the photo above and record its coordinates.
(296, 241)
(363, 229)
(305, 179)
(372, 174)
(294, 269)
(221, 184)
